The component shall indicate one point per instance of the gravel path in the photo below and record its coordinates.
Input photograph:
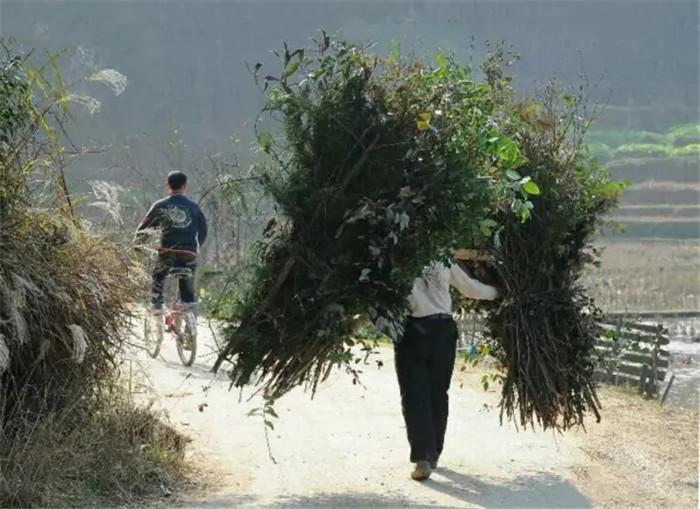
(347, 446)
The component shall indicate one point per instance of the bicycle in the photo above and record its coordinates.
(179, 320)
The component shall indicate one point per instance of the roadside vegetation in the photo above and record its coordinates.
(70, 435)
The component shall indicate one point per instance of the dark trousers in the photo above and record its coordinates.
(424, 360)
(165, 262)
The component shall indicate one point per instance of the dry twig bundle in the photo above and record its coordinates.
(545, 328)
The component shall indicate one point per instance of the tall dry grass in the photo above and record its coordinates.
(68, 434)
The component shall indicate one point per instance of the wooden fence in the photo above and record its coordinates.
(627, 352)
(632, 353)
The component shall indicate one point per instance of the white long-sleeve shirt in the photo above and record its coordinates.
(431, 292)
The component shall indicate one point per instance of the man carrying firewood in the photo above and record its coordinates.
(425, 356)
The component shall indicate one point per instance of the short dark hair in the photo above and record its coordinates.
(176, 180)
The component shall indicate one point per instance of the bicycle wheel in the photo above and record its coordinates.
(186, 340)
(153, 333)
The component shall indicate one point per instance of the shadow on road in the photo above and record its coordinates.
(530, 490)
(197, 370)
(337, 500)
(527, 491)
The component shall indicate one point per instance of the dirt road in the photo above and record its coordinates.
(347, 447)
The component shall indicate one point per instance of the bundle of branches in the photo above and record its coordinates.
(545, 327)
(63, 292)
(381, 163)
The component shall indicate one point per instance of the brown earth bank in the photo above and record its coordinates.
(641, 455)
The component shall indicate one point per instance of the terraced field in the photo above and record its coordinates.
(653, 262)
(663, 201)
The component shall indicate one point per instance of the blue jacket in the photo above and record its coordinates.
(182, 222)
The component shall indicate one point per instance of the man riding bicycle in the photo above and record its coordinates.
(183, 231)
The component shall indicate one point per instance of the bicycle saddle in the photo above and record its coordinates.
(180, 272)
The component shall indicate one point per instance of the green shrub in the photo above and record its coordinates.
(692, 149)
(643, 149)
(600, 150)
(617, 137)
(686, 134)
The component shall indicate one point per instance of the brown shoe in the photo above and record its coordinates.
(421, 472)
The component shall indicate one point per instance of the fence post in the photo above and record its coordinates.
(654, 359)
(642, 380)
(668, 388)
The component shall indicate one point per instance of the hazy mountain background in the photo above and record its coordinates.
(189, 92)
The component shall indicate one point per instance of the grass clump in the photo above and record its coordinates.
(112, 454)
